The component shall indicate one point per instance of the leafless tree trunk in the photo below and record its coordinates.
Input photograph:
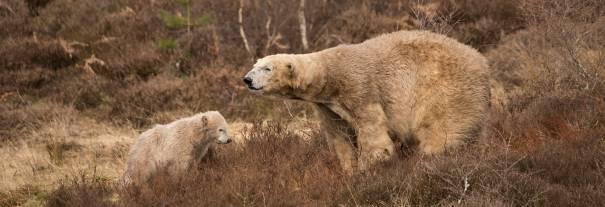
(240, 20)
(303, 24)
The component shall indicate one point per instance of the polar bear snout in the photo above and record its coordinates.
(257, 78)
(248, 81)
(254, 81)
(224, 140)
(224, 136)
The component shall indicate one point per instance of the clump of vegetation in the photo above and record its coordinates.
(282, 169)
(24, 196)
(57, 150)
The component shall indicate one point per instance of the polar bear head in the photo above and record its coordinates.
(282, 75)
(216, 127)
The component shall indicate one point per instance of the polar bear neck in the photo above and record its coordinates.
(310, 83)
(323, 76)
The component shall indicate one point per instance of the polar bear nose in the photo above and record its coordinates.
(248, 81)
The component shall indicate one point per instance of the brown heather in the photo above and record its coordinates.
(80, 79)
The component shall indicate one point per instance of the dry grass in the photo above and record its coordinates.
(277, 168)
(66, 145)
(66, 122)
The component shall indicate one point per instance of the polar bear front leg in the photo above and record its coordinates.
(344, 151)
(339, 136)
(372, 135)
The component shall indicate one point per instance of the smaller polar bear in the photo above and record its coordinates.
(177, 146)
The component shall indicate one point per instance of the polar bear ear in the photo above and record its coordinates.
(205, 121)
(291, 70)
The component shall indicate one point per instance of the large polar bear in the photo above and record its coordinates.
(415, 86)
(176, 146)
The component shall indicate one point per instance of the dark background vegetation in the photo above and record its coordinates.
(134, 63)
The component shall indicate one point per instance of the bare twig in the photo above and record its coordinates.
(351, 194)
(240, 20)
(189, 19)
(269, 35)
(216, 41)
(586, 74)
(273, 38)
(69, 47)
(288, 108)
(126, 12)
(105, 39)
(5, 6)
(303, 24)
(92, 60)
(35, 37)
(428, 18)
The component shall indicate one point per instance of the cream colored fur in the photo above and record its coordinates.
(176, 147)
(413, 86)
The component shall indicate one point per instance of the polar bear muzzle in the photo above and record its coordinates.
(258, 77)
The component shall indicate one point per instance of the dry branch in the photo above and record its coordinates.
(7, 8)
(273, 38)
(303, 24)
(240, 20)
(89, 61)
(69, 47)
(216, 41)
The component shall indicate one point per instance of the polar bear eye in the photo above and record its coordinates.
(267, 69)
(221, 130)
